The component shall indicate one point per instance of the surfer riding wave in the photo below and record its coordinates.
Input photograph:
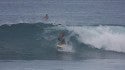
(61, 38)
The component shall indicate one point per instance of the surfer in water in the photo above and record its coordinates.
(46, 17)
(61, 38)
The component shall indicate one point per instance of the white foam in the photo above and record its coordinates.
(106, 37)
(68, 48)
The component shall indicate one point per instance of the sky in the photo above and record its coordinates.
(72, 12)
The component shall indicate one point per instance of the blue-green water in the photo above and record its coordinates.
(27, 46)
(38, 41)
(94, 31)
(33, 47)
(92, 64)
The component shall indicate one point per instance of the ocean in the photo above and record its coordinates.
(32, 46)
(93, 64)
(94, 31)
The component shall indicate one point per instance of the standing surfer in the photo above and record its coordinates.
(61, 38)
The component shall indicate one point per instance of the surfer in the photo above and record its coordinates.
(61, 38)
(46, 17)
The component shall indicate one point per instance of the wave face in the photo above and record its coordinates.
(38, 41)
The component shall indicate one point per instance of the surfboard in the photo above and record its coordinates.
(61, 47)
(64, 48)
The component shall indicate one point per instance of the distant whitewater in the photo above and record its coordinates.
(38, 41)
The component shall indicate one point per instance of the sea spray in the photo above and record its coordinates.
(101, 37)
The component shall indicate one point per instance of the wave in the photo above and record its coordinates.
(38, 41)
(101, 37)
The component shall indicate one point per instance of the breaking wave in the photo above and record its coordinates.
(101, 37)
(38, 41)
